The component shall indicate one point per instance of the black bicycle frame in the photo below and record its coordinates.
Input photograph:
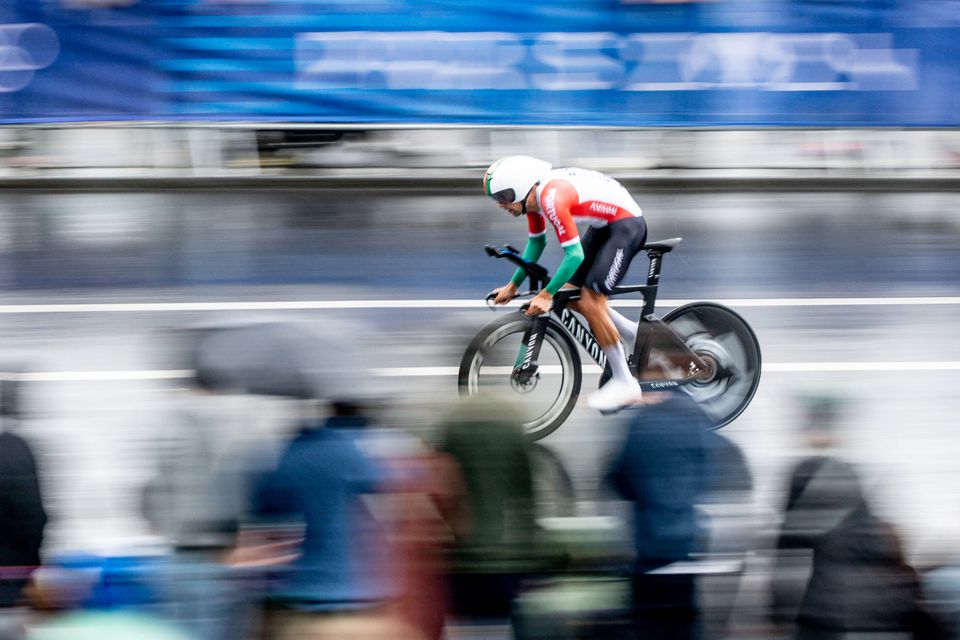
(652, 333)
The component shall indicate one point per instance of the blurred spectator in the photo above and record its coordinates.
(822, 489)
(731, 513)
(421, 489)
(195, 501)
(340, 582)
(22, 515)
(662, 469)
(495, 531)
(860, 581)
(941, 586)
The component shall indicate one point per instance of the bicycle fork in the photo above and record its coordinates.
(526, 365)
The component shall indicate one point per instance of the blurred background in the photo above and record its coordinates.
(224, 223)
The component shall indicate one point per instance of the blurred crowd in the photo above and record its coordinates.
(346, 527)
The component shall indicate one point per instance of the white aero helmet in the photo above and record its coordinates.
(509, 179)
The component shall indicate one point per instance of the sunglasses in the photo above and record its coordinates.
(505, 196)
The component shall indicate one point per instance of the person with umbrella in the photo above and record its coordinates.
(338, 576)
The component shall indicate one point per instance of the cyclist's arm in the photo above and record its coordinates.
(531, 253)
(557, 199)
(573, 256)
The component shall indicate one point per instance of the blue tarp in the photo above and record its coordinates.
(569, 62)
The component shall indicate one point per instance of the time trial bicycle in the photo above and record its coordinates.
(703, 348)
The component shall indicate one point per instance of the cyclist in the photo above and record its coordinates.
(595, 263)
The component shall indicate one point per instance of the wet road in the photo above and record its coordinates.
(766, 255)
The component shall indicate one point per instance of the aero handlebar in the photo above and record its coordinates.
(539, 277)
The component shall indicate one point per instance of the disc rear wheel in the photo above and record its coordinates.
(731, 353)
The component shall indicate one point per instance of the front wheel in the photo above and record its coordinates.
(727, 344)
(547, 398)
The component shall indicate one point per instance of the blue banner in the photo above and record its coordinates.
(569, 62)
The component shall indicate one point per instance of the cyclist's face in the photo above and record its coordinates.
(514, 208)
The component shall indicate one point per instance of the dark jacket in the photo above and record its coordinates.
(860, 579)
(662, 470)
(22, 517)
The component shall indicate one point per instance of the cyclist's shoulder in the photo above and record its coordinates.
(564, 179)
(581, 178)
(569, 174)
(563, 174)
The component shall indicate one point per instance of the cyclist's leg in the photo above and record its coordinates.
(613, 260)
(622, 389)
(632, 240)
(626, 327)
(627, 238)
(591, 243)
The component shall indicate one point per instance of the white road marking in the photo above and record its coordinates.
(97, 376)
(815, 302)
(822, 367)
(435, 372)
(303, 305)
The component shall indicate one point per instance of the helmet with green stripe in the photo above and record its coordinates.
(510, 179)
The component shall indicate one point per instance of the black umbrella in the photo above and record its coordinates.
(279, 359)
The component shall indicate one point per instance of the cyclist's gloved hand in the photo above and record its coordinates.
(505, 294)
(541, 303)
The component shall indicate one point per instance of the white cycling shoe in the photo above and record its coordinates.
(615, 395)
